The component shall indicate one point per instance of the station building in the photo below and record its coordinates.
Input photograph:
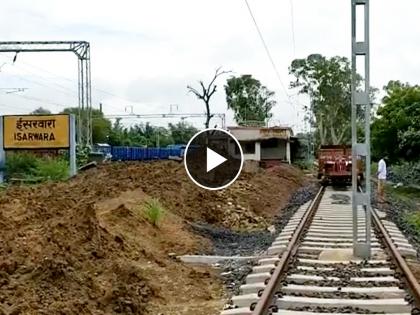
(264, 144)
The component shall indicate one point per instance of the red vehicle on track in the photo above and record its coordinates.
(335, 164)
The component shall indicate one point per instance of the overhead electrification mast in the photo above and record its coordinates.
(82, 51)
(360, 102)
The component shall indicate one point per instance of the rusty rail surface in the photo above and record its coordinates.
(399, 260)
(268, 296)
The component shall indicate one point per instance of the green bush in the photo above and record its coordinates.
(82, 155)
(414, 219)
(19, 164)
(52, 169)
(305, 165)
(29, 167)
(406, 172)
(153, 211)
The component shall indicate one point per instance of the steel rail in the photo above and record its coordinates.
(399, 260)
(266, 300)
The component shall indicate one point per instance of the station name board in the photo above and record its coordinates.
(36, 131)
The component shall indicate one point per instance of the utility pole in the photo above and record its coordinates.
(360, 200)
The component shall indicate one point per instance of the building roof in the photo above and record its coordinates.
(259, 128)
(248, 133)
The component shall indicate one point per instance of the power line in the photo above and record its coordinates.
(268, 52)
(14, 107)
(18, 65)
(74, 82)
(31, 98)
(50, 84)
(68, 93)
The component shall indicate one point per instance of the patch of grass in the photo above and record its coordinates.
(408, 191)
(33, 169)
(409, 194)
(20, 164)
(153, 211)
(52, 169)
(414, 219)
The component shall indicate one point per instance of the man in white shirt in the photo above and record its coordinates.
(381, 179)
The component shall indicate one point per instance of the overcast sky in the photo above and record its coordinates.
(146, 52)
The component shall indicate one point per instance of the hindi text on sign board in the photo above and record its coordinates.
(22, 125)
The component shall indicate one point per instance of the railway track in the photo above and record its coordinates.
(310, 268)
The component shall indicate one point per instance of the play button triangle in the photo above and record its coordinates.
(214, 159)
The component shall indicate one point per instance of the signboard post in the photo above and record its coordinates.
(2, 153)
(72, 148)
(28, 132)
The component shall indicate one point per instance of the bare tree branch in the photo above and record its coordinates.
(213, 91)
(194, 91)
(207, 92)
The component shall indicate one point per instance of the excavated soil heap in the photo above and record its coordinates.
(84, 246)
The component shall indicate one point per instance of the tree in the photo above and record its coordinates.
(41, 111)
(116, 135)
(182, 132)
(249, 99)
(396, 129)
(101, 127)
(328, 84)
(139, 135)
(206, 93)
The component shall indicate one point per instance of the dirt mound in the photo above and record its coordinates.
(56, 258)
(247, 203)
(84, 247)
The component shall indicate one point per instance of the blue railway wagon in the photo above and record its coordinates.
(142, 154)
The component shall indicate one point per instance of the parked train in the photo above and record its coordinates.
(335, 165)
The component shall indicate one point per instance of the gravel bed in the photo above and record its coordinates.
(321, 309)
(231, 243)
(335, 295)
(344, 274)
(300, 197)
(234, 274)
(397, 211)
(341, 283)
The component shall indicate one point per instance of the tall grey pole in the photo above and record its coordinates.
(360, 97)
(72, 149)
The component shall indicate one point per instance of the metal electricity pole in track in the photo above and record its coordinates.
(82, 51)
(359, 101)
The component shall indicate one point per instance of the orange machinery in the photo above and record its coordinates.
(334, 164)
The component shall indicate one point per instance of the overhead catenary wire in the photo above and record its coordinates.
(32, 98)
(267, 50)
(13, 108)
(49, 80)
(67, 90)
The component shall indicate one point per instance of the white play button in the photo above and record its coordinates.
(214, 159)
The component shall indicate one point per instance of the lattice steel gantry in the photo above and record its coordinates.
(360, 99)
(82, 51)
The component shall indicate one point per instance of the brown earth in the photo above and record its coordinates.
(85, 246)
